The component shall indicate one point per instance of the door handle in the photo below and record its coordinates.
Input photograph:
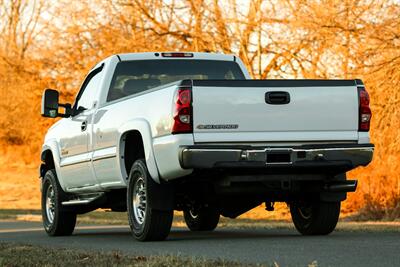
(84, 126)
(277, 98)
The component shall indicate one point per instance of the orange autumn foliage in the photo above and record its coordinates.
(54, 45)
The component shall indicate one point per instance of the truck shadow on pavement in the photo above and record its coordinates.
(186, 235)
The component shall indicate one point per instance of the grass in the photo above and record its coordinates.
(27, 255)
(102, 217)
(16, 214)
(19, 186)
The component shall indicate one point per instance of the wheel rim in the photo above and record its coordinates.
(50, 204)
(139, 200)
(193, 213)
(305, 212)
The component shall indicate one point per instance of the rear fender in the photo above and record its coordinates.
(143, 127)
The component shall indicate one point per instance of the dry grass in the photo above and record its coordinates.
(102, 217)
(19, 186)
(28, 255)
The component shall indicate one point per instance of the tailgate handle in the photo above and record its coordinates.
(277, 98)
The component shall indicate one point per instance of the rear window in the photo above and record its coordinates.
(132, 77)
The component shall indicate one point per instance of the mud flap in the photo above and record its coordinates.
(161, 196)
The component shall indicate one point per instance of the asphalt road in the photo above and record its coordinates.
(284, 246)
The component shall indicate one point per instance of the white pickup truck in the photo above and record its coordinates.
(150, 133)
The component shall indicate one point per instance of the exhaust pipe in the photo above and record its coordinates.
(342, 186)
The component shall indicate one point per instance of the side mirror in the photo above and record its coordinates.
(50, 105)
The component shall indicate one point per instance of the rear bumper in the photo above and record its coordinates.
(342, 157)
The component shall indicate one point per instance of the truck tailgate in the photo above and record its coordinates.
(275, 110)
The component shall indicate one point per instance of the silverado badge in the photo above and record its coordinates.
(217, 126)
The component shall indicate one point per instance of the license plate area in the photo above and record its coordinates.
(278, 157)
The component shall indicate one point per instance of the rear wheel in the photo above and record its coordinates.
(315, 218)
(147, 223)
(56, 221)
(201, 219)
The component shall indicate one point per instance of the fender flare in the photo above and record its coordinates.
(52, 146)
(143, 127)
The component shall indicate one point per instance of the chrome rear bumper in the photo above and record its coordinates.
(346, 156)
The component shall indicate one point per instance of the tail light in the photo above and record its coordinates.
(183, 121)
(364, 111)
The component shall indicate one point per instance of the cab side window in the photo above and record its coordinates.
(88, 95)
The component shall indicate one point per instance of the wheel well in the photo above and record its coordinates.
(133, 148)
(47, 162)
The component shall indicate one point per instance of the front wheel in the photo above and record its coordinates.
(315, 218)
(147, 223)
(56, 221)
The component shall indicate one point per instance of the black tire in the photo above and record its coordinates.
(148, 224)
(315, 218)
(204, 219)
(56, 221)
